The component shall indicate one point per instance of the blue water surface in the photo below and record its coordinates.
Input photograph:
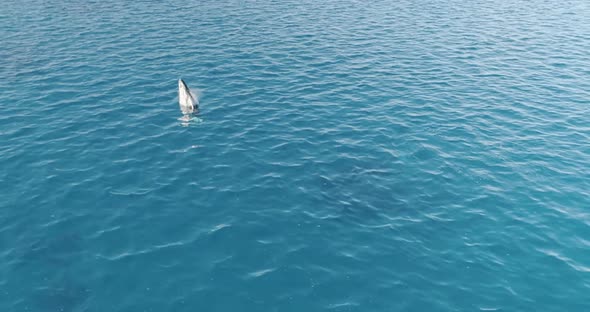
(421, 155)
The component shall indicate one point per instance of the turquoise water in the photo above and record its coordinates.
(349, 156)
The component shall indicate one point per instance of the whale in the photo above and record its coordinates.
(187, 100)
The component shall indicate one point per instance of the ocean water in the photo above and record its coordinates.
(349, 156)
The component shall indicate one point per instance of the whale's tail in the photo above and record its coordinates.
(187, 100)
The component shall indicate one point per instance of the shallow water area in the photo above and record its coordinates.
(348, 156)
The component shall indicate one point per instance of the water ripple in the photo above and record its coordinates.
(407, 156)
